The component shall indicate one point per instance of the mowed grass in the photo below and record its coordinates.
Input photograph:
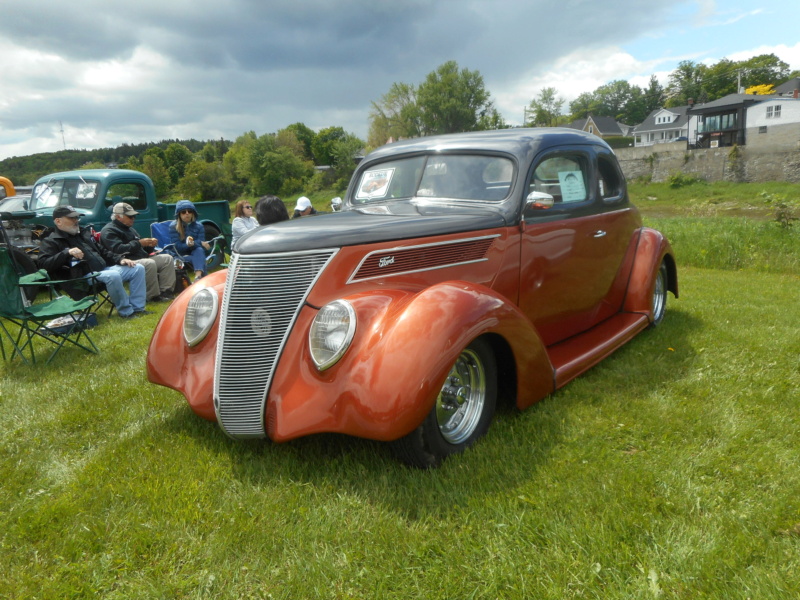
(668, 471)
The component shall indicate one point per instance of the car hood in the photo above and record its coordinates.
(367, 225)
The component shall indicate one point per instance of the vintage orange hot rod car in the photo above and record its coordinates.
(461, 268)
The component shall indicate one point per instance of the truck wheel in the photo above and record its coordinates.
(28, 266)
(461, 414)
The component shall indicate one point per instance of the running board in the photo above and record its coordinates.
(572, 357)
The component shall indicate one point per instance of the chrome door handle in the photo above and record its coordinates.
(599, 233)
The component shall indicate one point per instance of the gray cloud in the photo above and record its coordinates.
(208, 68)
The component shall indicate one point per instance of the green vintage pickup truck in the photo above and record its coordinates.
(93, 193)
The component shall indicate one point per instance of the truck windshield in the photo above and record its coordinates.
(75, 192)
(449, 176)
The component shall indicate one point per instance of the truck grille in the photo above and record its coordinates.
(263, 296)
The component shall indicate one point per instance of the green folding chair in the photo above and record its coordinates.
(22, 322)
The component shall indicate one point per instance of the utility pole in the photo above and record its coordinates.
(63, 141)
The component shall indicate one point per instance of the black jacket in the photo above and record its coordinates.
(55, 258)
(121, 239)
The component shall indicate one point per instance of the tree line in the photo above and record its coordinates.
(297, 159)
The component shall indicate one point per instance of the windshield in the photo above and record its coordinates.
(75, 192)
(455, 176)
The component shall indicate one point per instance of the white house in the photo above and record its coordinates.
(663, 125)
(774, 123)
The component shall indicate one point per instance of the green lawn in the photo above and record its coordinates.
(668, 471)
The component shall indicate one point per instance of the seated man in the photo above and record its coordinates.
(120, 237)
(71, 252)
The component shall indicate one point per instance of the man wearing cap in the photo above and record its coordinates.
(71, 252)
(303, 208)
(120, 237)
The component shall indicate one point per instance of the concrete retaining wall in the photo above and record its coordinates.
(740, 164)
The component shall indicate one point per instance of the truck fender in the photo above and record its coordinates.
(653, 247)
(404, 346)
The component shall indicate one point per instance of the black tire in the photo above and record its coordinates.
(659, 301)
(461, 414)
(26, 263)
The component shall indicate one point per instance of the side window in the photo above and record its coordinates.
(562, 176)
(132, 193)
(610, 179)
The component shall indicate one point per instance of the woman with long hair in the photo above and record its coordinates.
(189, 236)
(243, 220)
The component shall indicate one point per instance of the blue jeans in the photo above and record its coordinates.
(198, 255)
(114, 277)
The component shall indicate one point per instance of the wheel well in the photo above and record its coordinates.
(506, 370)
(672, 274)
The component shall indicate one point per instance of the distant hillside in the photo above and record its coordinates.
(25, 170)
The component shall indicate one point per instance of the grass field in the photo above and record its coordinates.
(668, 471)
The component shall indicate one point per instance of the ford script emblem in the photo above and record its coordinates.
(261, 323)
(386, 261)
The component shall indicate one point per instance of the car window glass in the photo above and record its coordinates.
(468, 177)
(131, 193)
(564, 177)
(610, 181)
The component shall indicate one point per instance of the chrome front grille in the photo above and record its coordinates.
(263, 296)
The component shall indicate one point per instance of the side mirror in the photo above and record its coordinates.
(539, 201)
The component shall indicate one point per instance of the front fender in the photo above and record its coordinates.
(652, 249)
(404, 346)
(172, 363)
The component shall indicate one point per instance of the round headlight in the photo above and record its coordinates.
(331, 333)
(201, 312)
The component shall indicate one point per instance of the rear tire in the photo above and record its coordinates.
(659, 303)
(461, 414)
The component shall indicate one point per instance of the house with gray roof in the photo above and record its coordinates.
(722, 122)
(601, 126)
(663, 125)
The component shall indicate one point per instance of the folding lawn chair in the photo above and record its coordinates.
(214, 259)
(61, 320)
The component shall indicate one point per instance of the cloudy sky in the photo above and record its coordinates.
(112, 72)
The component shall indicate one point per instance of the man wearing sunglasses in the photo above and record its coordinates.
(71, 252)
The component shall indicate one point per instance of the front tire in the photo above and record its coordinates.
(461, 414)
(659, 303)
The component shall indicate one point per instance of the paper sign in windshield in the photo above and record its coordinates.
(375, 184)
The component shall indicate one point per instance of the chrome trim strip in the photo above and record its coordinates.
(263, 296)
(352, 278)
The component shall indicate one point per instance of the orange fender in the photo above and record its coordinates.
(6, 184)
(172, 363)
(653, 247)
(404, 346)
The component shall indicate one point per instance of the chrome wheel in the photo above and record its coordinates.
(460, 403)
(461, 414)
(660, 294)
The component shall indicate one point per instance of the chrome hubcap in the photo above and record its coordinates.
(460, 403)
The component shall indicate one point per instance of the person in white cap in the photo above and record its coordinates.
(303, 208)
(120, 237)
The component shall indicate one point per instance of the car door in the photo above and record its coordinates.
(573, 246)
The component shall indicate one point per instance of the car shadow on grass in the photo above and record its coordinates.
(516, 446)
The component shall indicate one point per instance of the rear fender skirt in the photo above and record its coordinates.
(405, 343)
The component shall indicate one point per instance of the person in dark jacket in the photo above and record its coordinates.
(120, 237)
(189, 237)
(71, 252)
(303, 208)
